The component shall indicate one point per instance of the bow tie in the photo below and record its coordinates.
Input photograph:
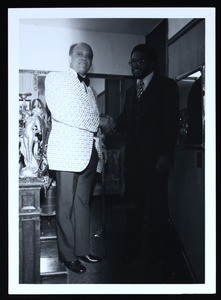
(85, 79)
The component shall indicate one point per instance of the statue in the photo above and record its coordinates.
(33, 140)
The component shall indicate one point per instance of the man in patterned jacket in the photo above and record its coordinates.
(74, 152)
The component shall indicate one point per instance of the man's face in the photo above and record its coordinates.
(81, 59)
(141, 66)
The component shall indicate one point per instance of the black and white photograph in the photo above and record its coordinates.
(112, 150)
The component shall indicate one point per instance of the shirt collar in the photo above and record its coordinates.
(146, 80)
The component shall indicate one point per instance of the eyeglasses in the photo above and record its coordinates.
(136, 61)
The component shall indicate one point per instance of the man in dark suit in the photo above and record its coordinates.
(150, 119)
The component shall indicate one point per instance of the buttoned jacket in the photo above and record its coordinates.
(157, 128)
(75, 119)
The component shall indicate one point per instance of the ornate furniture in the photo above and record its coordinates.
(29, 230)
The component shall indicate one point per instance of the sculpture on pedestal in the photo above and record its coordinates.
(33, 140)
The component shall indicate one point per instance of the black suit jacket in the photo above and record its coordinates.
(158, 122)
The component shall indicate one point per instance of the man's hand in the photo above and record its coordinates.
(163, 164)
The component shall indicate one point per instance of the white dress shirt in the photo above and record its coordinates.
(146, 80)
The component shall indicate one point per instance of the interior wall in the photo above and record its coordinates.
(46, 48)
(175, 25)
(187, 52)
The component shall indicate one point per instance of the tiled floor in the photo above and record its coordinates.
(109, 246)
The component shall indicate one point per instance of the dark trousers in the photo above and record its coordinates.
(146, 193)
(72, 210)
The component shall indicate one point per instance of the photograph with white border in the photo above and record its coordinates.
(39, 40)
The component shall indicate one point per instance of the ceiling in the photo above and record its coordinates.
(112, 25)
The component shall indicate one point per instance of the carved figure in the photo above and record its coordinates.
(33, 139)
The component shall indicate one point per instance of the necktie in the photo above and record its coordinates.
(140, 88)
(85, 79)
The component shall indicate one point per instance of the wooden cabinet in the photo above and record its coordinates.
(38, 258)
(29, 232)
(187, 206)
(112, 173)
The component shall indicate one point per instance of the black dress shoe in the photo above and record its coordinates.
(90, 258)
(75, 266)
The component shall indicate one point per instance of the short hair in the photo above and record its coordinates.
(83, 44)
(149, 51)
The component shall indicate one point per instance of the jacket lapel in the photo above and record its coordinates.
(87, 98)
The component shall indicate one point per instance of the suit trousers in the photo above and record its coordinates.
(72, 210)
(146, 193)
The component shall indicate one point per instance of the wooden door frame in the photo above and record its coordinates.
(158, 38)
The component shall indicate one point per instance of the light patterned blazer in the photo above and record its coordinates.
(75, 119)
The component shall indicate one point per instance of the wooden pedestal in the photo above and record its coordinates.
(29, 231)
